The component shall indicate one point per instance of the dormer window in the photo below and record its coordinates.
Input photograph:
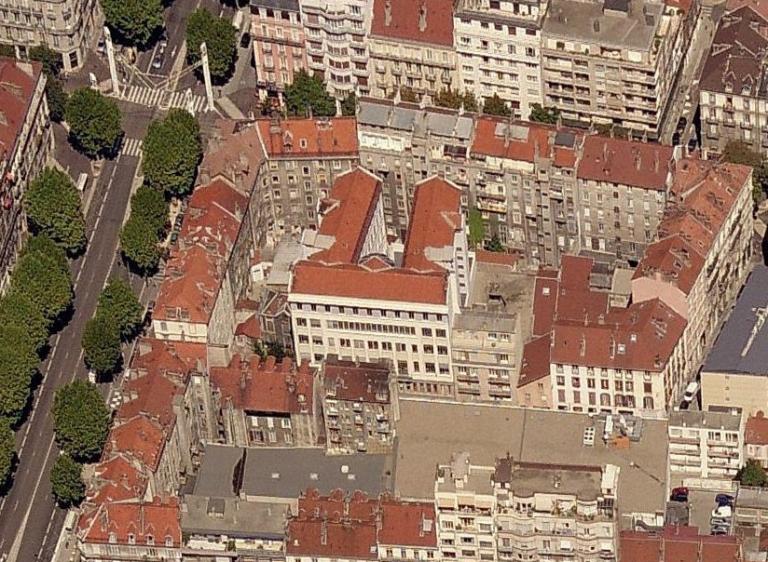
(168, 541)
(112, 538)
(303, 143)
(150, 540)
(131, 538)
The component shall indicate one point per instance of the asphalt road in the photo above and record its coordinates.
(29, 521)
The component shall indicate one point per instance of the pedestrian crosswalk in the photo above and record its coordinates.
(131, 147)
(164, 99)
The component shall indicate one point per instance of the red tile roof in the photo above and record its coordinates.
(250, 328)
(235, 152)
(678, 544)
(265, 386)
(352, 281)
(536, 360)
(17, 86)
(756, 430)
(703, 195)
(435, 217)
(512, 141)
(357, 382)
(347, 214)
(545, 294)
(118, 478)
(401, 20)
(333, 527)
(625, 162)
(297, 138)
(498, 258)
(140, 523)
(140, 438)
(407, 524)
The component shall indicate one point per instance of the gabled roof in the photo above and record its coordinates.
(500, 138)
(140, 438)
(536, 360)
(357, 382)
(636, 164)
(117, 478)
(304, 138)
(154, 523)
(756, 430)
(417, 21)
(407, 523)
(17, 86)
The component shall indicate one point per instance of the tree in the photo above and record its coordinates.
(219, 37)
(134, 22)
(753, 474)
(67, 481)
(349, 105)
(140, 245)
(81, 420)
(149, 205)
(449, 98)
(494, 244)
(541, 114)
(49, 58)
(470, 102)
(172, 150)
(101, 344)
(307, 94)
(54, 209)
(496, 106)
(118, 303)
(42, 244)
(7, 51)
(739, 152)
(57, 99)
(18, 309)
(41, 278)
(94, 122)
(7, 453)
(17, 370)
(476, 227)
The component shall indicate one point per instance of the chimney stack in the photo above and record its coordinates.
(388, 13)
(423, 16)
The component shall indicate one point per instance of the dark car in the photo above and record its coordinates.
(724, 499)
(681, 124)
(679, 494)
(245, 40)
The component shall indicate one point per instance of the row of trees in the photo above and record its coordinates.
(172, 150)
(39, 297)
(81, 422)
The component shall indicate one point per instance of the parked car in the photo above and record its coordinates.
(679, 494)
(157, 62)
(723, 512)
(690, 391)
(245, 40)
(719, 530)
(724, 500)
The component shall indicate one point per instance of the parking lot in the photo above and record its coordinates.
(700, 504)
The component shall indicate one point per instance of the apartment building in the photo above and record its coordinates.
(304, 158)
(688, 543)
(756, 438)
(487, 337)
(526, 511)
(565, 512)
(611, 62)
(411, 46)
(498, 47)
(355, 299)
(337, 49)
(732, 91)
(264, 403)
(359, 406)
(279, 44)
(750, 511)
(26, 143)
(701, 258)
(623, 188)
(734, 375)
(705, 447)
(403, 143)
(68, 27)
(465, 504)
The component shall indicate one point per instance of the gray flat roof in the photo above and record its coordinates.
(588, 22)
(288, 5)
(271, 472)
(202, 515)
(716, 420)
(742, 346)
(752, 497)
(430, 433)
(442, 122)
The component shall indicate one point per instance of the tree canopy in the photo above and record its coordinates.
(541, 114)
(494, 105)
(54, 91)
(739, 152)
(101, 344)
(753, 474)
(149, 205)
(67, 481)
(16, 308)
(18, 365)
(94, 122)
(219, 37)
(172, 150)
(140, 245)
(133, 22)
(7, 453)
(118, 303)
(453, 99)
(494, 244)
(307, 93)
(42, 279)
(349, 105)
(476, 227)
(81, 420)
(50, 59)
(54, 209)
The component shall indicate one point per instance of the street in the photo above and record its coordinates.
(29, 521)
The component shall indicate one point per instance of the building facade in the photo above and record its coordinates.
(67, 27)
(26, 142)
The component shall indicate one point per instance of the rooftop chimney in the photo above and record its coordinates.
(388, 13)
(423, 17)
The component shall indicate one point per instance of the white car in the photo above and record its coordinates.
(722, 512)
(690, 391)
